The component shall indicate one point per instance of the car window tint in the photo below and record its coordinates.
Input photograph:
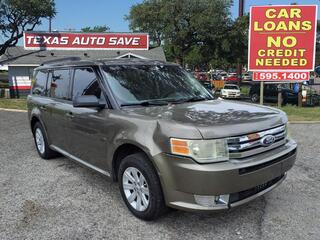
(136, 83)
(85, 83)
(60, 82)
(39, 86)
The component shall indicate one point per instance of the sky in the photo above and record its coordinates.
(248, 3)
(76, 14)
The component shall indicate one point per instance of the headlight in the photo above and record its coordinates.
(203, 151)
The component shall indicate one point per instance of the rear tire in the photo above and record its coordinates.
(254, 98)
(140, 187)
(41, 142)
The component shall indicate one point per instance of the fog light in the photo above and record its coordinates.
(212, 201)
(206, 201)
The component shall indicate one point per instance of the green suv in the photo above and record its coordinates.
(152, 127)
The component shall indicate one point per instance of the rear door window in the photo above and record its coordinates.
(40, 84)
(85, 83)
(60, 84)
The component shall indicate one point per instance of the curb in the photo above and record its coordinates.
(12, 110)
(304, 122)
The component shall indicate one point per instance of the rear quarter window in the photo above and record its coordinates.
(40, 83)
(60, 84)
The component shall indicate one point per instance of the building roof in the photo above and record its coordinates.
(18, 56)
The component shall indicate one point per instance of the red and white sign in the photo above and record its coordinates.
(280, 76)
(282, 39)
(85, 41)
(20, 83)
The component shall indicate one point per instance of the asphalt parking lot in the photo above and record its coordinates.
(58, 199)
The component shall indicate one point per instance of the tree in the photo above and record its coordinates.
(187, 28)
(17, 16)
(237, 42)
(148, 17)
(98, 28)
(317, 60)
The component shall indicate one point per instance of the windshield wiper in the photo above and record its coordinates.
(166, 102)
(146, 103)
(192, 99)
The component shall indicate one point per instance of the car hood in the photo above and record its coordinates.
(216, 118)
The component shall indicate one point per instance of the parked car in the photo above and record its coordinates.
(232, 74)
(246, 77)
(152, 127)
(222, 75)
(201, 76)
(317, 70)
(230, 91)
(270, 94)
(209, 86)
(231, 77)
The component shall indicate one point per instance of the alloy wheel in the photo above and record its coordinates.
(136, 189)
(40, 140)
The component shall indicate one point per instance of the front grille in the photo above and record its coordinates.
(251, 144)
(236, 197)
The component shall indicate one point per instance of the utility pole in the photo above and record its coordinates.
(300, 84)
(261, 92)
(50, 23)
(240, 14)
(50, 19)
(241, 8)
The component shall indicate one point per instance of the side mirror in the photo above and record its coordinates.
(87, 101)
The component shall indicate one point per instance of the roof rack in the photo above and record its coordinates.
(58, 60)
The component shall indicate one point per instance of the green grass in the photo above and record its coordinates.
(13, 103)
(302, 114)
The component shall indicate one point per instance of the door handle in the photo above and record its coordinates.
(70, 115)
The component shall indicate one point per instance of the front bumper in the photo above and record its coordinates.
(242, 180)
(231, 95)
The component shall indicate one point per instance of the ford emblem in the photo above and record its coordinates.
(267, 140)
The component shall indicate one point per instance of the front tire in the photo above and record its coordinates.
(140, 187)
(41, 142)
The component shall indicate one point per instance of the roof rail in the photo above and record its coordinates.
(66, 59)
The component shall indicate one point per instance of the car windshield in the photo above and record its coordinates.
(162, 84)
(230, 87)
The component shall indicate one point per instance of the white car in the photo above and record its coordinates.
(230, 91)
